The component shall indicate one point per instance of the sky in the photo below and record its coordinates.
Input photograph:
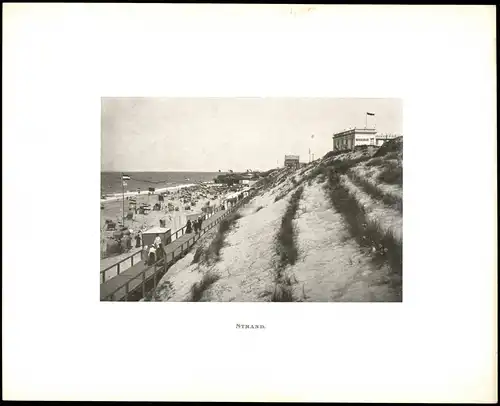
(212, 134)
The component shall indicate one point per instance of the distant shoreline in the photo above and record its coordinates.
(111, 185)
(127, 172)
(118, 196)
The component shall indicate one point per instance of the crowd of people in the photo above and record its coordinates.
(154, 253)
(194, 225)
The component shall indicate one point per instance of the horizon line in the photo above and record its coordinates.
(190, 171)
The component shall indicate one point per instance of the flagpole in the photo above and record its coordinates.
(366, 121)
(123, 203)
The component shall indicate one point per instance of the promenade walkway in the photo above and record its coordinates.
(136, 277)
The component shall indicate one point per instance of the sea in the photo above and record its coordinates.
(111, 181)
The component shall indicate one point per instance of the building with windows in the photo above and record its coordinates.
(292, 161)
(381, 138)
(349, 139)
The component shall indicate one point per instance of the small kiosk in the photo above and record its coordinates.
(149, 236)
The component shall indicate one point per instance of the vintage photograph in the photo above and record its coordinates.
(251, 199)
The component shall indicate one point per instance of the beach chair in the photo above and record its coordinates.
(111, 226)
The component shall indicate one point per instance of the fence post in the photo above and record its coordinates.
(118, 268)
(154, 284)
(103, 276)
(144, 284)
(132, 260)
(126, 291)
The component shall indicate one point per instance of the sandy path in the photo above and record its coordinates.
(388, 219)
(331, 267)
(245, 260)
(246, 267)
(371, 175)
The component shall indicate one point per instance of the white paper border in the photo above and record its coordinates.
(60, 342)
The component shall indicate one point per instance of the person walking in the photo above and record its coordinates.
(188, 227)
(144, 254)
(138, 240)
(152, 255)
(159, 251)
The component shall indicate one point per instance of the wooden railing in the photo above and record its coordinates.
(131, 257)
(165, 263)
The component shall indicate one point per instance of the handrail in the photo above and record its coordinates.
(157, 263)
(138, 252)
(119, 262)
(134, 278)
(228, 211)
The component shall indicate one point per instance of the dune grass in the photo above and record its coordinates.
(197, 255)
(375, 162)
(374, 192)
(213, 250)
(383, 246)
(198, 288)
(393, 145)
(331, 154)
(392, 175)
(281, 293)
(285, 193)
(392, 155)
(320, 172)
(286, 250)
(280, 196)
(285, 239)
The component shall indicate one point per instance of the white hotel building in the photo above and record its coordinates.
(359, 136)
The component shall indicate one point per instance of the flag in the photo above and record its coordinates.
(125, 177)
(371, 114)
(124, 183)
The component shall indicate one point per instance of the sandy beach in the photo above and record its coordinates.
(199, 196)
(128, 193)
